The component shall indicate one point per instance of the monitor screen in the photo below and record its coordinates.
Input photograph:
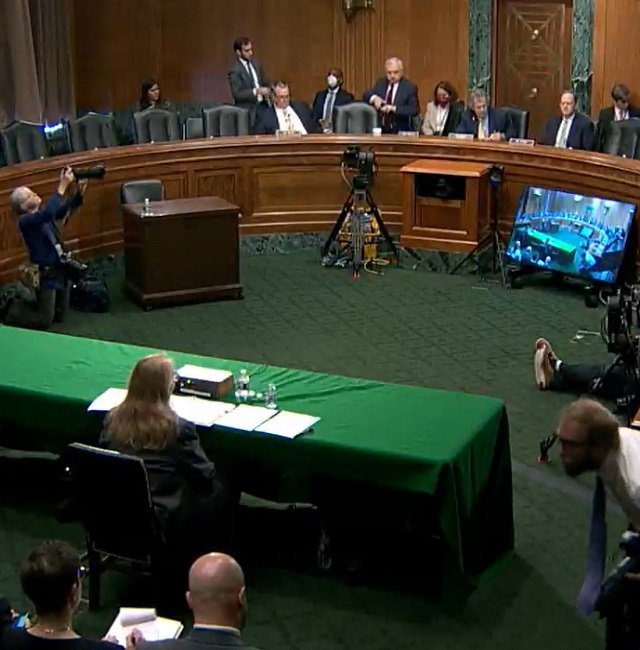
(576, 235)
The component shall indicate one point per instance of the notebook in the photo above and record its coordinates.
(144, 619)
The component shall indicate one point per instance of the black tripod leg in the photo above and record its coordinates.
(382, 226)
(346, 208)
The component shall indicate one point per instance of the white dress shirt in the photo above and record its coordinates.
(620, 116)
(620, 472)
(289, 121)
(563, 131)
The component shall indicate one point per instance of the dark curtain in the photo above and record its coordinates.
(36, 71)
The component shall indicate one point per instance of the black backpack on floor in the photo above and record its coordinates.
(89, 295)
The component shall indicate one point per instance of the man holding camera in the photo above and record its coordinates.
(39, 228)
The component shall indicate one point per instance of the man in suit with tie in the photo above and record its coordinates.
(395, 98)
(326, 100)
(284, 115)
(569, 130)
(619, 111)
(483, 121)
(247, 81)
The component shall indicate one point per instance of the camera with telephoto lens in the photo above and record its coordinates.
(96, 172)
(363, 163)
(621, 314)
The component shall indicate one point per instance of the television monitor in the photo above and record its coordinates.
(573, 234)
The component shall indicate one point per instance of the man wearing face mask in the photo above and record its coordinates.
(326, 100)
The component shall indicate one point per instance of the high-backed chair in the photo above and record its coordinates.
(155, 125)
(519, 120)
(357, 117)
(193, 128)
(138, 191)
(117, 513)
(622, 138)
(92, 131)
(23, 141)
(225, 120)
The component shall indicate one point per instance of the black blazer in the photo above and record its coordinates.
(342, 97)
(580, 136)
(241, 84)
(267, 120)
(200, 639)
(606, 117)
(498, 123)
(406, 102)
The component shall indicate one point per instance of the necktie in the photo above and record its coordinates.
(564, 132)
(328, 107)
(482, 134)
(386, 118)
(596, 555)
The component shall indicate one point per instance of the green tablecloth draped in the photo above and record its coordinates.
(451, 446)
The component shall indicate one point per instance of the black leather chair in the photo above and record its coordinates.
(138, 191)
(357, 117)
(92, 131)
(622, 139)
(193, 128)
(23, 141)
(114, 504)
(155, 125)
(519, 120)
(225, 120)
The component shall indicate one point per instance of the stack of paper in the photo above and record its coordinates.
(288, 424)
(151, 626)
(245, 417)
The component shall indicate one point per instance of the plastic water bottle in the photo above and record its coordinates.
(242, 386)
(270, 397)
(147, 207)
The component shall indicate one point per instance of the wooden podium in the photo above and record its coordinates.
(185, 251)
(445, 204)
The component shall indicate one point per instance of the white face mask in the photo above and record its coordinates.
(332, 81)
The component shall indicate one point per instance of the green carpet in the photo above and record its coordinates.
(419, 328)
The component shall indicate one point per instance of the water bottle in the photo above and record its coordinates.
(242, 385)
(147, 207)
(270, 396)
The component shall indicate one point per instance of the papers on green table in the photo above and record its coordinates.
(288, 424)
(245, 417)
(203, 412)
(152, 626)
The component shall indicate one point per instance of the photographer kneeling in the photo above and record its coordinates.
(39, 229)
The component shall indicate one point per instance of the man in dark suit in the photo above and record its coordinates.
(569, 130)
(247, 82)
(218, 599)
(326, 100)
(620, 110)
(284, 115)
(484, 122)
(395, 98)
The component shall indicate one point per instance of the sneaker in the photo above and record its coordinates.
(544, 360)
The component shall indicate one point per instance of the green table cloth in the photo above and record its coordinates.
(452, 447)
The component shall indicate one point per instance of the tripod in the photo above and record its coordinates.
(363, 196)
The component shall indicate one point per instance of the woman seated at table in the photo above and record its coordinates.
(444, 112)
(194, 506)
(50, 578)
(150, 96)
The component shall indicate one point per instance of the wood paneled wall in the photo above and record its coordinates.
(616, 50)
(187, 44)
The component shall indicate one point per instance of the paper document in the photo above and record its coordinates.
(245, 417)
(208, 374)
(288, 424)
(203, 412)
(152, 627)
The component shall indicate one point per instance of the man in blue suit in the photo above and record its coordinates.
(395, 98)
(284, 115)
(39, 229)
(484, 122)
(569, 130)
(326, 100)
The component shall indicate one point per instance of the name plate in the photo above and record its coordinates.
(461, 136)
(288, 134)
(522, 141)
(409, 134)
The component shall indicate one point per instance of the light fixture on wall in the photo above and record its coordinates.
(351, 6)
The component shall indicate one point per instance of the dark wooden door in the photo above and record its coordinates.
(532, 63)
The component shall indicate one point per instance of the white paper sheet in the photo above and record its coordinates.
(288, 424)
(245, 417)
(156, 629)
(208, 374)
(111, 398)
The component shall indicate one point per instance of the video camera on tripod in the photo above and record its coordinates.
(363, 163)
(622, 314)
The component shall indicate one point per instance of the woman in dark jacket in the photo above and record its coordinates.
(151, 97)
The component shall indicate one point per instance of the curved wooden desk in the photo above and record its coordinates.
(291, 184)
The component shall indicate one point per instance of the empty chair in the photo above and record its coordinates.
(23, 141)
(355, 118)
(92, 131)
(119, 521)
(193, 128)
(622, 138)
(155, 125)
(138, 191)
(225, 120)
(519, 120)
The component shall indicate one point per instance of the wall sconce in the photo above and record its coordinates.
(351, 6)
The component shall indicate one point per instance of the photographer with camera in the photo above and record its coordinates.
(39, 228)
(592, 440)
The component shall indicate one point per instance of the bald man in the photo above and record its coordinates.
(218, 599)
(395, 98)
